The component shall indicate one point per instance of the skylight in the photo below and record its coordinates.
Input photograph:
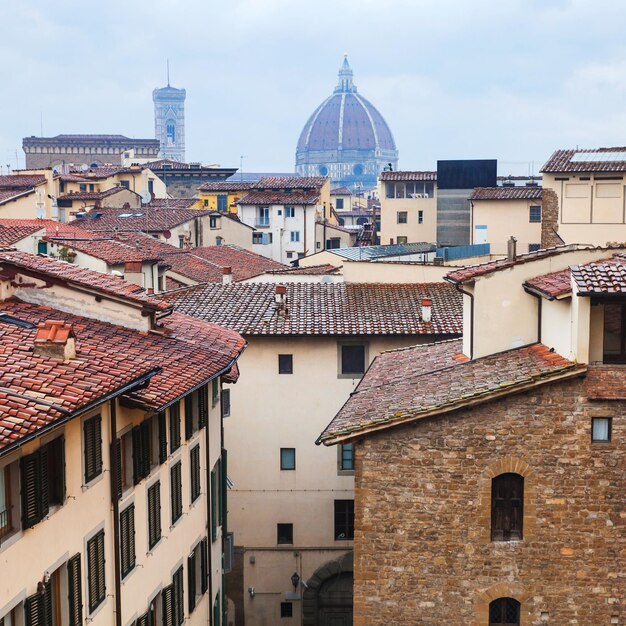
(599, 157)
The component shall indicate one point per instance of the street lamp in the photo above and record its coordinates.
(295, 579)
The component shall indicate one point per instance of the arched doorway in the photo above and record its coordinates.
(327, 599)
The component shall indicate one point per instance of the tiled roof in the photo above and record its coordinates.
(52, 227)
(92, 195)
(170, 203)
(311, 270)
(151, 220)
(191, 266)
(470, 272)
(404, 385)
(368, 253)
(553, 285)
(113, 286)
(6, 195)
(507, 193)
(601, 277)
(244, 263)
(402, 176)
(98, 173)
(280, 197)
(337, 227)
(25, 181)
(291, 182)
(325, 309)
(563, 161)
(12, 233)
(38, 390)
(225, 185)
(340, 191)
(109, 250)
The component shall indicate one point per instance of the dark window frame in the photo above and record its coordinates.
(345, 458)
(154, 514)
(176, 492)
(342, 373)
(507, 507)
(504, 612)
(127, 540)
(344, 520)
(534, 214)
(286, 609)
(285, 363)
(283, 464)
(194, 473)
(284, 533)
(610, 430)
(175, 438)
(402, 217)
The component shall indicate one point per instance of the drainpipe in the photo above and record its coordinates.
(115, 469)
(207, 444)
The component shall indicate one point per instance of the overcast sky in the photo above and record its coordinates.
(505, 79)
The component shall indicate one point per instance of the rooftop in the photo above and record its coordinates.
(290, 182)
(311, 270)
(51, 227)
(370, 253)
(6, 195)
(147, 220)
(93, 195)
(507, 193)
(340, 191)
(403, 176)
(601, 278)
(244, 263)
(108, 358)
(324, 309)
(226, 185)
(109, 250)
(170, 203)
(12, 233)
(21, 181)
(587, 160)
(412, 383)
(551, 286)
(280, 197)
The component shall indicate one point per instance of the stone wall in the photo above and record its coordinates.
(550, 219)
(423, 554)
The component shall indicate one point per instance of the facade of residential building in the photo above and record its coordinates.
(222, 195)
(112, 468)
(589, 188)
(499, 213)
(91, 150)
(489, 470)
(309, 344)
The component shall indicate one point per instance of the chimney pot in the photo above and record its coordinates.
(227, 275)
(55, 339)
(511, 249)
(281, 295)
(427, 309)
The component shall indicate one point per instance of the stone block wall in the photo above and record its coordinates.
(423, 554)
(550, 219)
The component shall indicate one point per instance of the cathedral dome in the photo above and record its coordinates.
(346, 138)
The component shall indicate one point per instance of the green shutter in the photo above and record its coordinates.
(191, 581)
(194, 462)
(116, 469)
(224, 492)
(204, 574)
(214, 391)
(174, 427)
(213, 504)
(216, 610)
(220, 495)
(179, 596)
(203, 406)
(162, 438)
(127, 539)
(30, 481)
(93, 447)
(154, 514)
(74, 591)
(137, 466)
(189, 416)
(176, 494)
(95, 570)
(167, 605)
(44, 482)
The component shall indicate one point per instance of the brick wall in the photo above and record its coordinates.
(550, 219)
(423, 554)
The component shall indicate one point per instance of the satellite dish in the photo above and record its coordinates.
(146, 196)
(84, 167)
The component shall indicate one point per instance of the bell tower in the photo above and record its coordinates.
(169, 120)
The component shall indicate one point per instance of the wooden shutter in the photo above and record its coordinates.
(194, 458)
(167, 605)
(38, 608)
(154, 514)
(174, 427)
(74, 591)
(33, 498)
(213, 504)
(162, 438)
(203, 406)
(507, 503)
(189, 415)
(137, 463)
(143, 620)
(179, 596)
(224, 492)
(191, 581)
(177, 492)
(44, 481)
(95, 570)
(116, 469)
(225, 402)
(127, 539)
(216, 610)
(204, 574)
(93, 447)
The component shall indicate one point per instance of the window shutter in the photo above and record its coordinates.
(225, 402)
(43, 482)
(191, 581)
(34, 610)
(143, 620)
(220, 495)
(224, 492)
(116, 469)
(179, 614)
(167, 605)
(204, 575)
(154, 514)
(176, 492)
(93, 447)
(195, 473)
(203, 406)
(32, 496)
(74, 591)
(95, 567)
(507, 500)
(213, 505)
(60, 484)
(137, 463)
(127, 536)
(189, 416)
(162, 438)
(174, 427)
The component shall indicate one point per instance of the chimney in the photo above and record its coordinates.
(227, 275)
(511, 249)
(427, 309)
(280, 297)
(55, 339)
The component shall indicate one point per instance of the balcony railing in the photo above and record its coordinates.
(263, 222)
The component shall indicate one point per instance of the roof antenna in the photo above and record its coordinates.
(168, 72)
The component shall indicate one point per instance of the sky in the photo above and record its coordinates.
(507, 79)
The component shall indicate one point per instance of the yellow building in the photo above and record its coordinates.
(222, 195)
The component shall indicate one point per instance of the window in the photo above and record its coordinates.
(225, 402)
(601, 429)
(286, 609)
(174, 427)
(290, 211)
(344, 519)
(333, 243)
(262, 238)
(263, 216)
(42, 478)
(154, 514)
(339, 203)
(222, 202)
(95, 571)
(284, 533)
(74, 591)
(176, 492)
(402, 240)
(287, 458)
(206, 203)
(142, 450)
(181, 241)
(507, 501)
(533, 247)
(213, 222)
(170, 131)
(191, 414)
(215, 392)
(534, 214)
(125, 184)
(402, 217)
(92, 187)
(82, 187)
(92, 446)
(178, 612)
(197, 582)
(151, 186)
(294, 235)
(420, 217)
(127, 539)
(194, 468)
(352, 359)
(285, 363)
(9, 493)
(290, 255)
(614, 347)
(504, 612)
(346, 457)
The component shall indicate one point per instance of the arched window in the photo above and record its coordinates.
(504, 612)
(341, 221)
(507, 504)
(170, 130)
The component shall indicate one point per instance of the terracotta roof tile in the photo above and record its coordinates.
(21, 181)
(36, 389)
(553, 285)
(340, 191)
(93, 195)
(225, 185)
(280, 197)
(325, 309)
(401, 176)
(12, 233)
(51, 228)
(6, 195)
(507, 193)
(170, 203)
(407, 384)
(601, 277)
(109, 250)
(291, 182)
(311, 270)
(561, 161)
(244, 263)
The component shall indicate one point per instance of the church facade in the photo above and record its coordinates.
(169, 121)
(346, 138)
